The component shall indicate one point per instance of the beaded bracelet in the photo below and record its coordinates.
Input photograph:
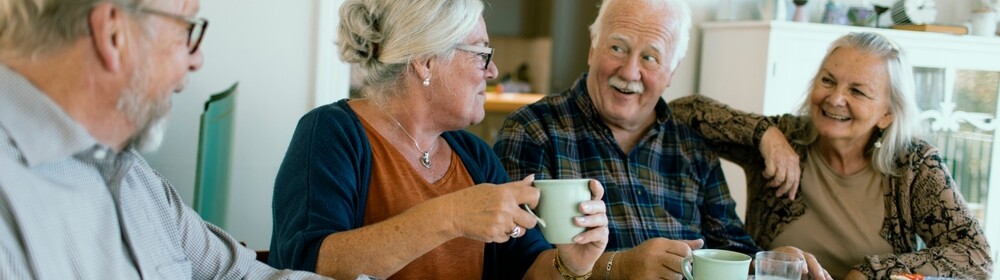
(566, 274)
(607, 273)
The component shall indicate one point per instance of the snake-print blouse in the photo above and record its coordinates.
(922, 201)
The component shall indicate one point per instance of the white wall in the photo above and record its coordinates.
(273, 49)
(283, 57)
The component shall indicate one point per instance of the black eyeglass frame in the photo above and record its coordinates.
(194, 23)
(485, 52)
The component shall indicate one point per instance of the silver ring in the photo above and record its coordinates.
(516, 232)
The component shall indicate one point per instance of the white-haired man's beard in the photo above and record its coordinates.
(148, 116)
(626, 87)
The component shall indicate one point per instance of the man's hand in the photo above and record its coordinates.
(657, 258)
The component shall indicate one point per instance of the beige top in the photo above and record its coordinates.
(923, 200)
(840, 227)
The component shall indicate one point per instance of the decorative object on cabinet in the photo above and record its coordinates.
(772, 10)
(880, 8)
(861, 15)
(984, 22)
(957, 88)
(801, 14)
(914, 12)
(938, 28)
(834, 13)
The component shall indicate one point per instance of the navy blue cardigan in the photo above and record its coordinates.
(322, 188)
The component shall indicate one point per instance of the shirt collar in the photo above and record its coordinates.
(587, 105)
(38, 127)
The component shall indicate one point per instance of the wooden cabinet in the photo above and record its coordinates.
(766, 67)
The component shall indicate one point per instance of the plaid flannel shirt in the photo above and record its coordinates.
(670, 185)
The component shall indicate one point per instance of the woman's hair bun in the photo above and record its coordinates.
(360, 31)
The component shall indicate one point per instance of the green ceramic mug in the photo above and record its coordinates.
(558, 205)
(714, 264)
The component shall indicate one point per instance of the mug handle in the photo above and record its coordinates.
(686, 267)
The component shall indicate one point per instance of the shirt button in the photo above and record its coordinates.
(100, 154)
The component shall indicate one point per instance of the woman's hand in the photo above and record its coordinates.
(656, 258)
(813, 269)
(490, 213)
(781, 163)
(587, 247)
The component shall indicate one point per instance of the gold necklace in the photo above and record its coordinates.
(425, 160)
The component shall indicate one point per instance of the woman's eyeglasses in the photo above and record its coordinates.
(485, 52)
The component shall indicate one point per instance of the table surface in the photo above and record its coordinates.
(509, 102)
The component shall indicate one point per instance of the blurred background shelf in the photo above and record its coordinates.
(498, 106)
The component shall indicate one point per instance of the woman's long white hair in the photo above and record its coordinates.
(898, 136)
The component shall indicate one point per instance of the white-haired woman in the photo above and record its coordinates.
(390, 186)
(868, 185)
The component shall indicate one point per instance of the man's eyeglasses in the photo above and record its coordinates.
(485, 52)
(196, 27)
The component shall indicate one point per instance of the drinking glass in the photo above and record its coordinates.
(771, 265)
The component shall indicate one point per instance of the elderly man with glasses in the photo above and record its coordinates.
(84, 86)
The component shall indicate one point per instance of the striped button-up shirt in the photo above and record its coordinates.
(670, 185)
(73, 208)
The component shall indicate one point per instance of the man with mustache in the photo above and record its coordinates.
(84, 86)
(665, 192)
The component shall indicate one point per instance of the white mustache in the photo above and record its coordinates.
(626, 86)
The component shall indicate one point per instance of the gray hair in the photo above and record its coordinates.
(680, 26)
(905, 127)
(383, 36)
(29, 27)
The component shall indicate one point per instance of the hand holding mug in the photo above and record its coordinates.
(656, 258)
(575, 220)
(715, 264)
(490, 213)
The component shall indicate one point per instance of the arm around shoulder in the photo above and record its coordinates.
(718, 122)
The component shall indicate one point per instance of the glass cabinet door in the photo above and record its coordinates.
(959, 109)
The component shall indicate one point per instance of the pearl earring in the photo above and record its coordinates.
(427, 82)
(878, 141)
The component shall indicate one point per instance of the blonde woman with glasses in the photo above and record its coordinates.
(391, 186)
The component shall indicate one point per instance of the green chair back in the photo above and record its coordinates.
(215, 145)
